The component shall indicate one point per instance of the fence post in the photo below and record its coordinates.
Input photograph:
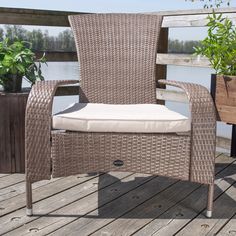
(162, 48)
(233, 142)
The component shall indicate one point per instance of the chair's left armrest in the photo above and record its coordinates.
(203, 130)
(38, 119)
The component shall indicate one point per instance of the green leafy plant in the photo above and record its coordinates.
(220, 45)
(17, 58)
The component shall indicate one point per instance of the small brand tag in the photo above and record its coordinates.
(118, 163)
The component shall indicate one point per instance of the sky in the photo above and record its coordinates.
(115, 6)
(104, 5)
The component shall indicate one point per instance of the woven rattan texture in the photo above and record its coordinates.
(74, 152)
(38, 129)
(117, 55)
(203, 131)
(163, 154)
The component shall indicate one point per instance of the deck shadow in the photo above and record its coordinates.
(131, 205)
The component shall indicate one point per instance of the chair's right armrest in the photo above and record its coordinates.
(203, 130)
(38, 119)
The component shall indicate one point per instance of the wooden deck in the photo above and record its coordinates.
(119, 204)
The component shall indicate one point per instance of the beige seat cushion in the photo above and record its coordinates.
(135, 118)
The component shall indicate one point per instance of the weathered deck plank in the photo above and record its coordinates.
(3, 175)
(17, 202)
(19, 188)
(56, 201)
(122, 204)
(10, 180)
(145, 213)
(117, 208)
(224, 209)
(229, 228)
(81, 207)
(177, 217)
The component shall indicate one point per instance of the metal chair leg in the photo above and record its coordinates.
(210, 200)
(29, 206)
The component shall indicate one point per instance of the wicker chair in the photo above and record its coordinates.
(117, 54)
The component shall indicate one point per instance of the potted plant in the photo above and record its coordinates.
(17, 61)
(220, 48)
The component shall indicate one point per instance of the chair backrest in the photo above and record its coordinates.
(117, 56)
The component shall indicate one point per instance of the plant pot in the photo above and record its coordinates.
(12, 83)
(223, 91)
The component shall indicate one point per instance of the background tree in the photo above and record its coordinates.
(40, 40)
(64, 41)
(13, 31)
(36, 37)
(177, 46)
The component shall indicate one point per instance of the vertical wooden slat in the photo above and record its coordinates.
(2, 141)
(5, 158)
(22, 132)
(233, 141)
(12, 122)
(16, 130)
(162, 48)
(13, 118)
(7, 127)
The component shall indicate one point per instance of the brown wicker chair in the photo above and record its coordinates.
(117, 54)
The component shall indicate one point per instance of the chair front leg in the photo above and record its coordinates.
(38, 124)
(29, 205)
(210, 200)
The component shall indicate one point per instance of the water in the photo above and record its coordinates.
(70, 70)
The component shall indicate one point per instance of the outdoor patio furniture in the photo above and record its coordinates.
(117, 126)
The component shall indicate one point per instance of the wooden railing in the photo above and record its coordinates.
(178, 18)
(187, 18)
(171, 19)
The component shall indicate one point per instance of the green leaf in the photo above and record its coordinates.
(220, 44)
(18, 58)
(21, 68)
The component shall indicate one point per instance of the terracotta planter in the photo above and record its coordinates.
(223, 90)
(13, 83)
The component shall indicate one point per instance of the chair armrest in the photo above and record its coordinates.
(200, 100)
(38, 129)
(203, 130)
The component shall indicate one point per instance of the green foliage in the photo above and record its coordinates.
(18, 58)
(220, 45)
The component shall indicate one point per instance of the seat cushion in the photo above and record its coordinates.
(134, 118)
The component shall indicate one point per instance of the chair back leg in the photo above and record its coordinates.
(29, 206)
